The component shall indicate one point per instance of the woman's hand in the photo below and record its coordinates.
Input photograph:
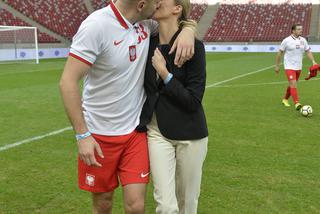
(159, 63)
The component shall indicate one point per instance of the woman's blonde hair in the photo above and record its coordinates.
(184, 19)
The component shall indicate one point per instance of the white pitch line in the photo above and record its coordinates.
(29, 140)
(239, 76)
(262, 83)
(9, 146)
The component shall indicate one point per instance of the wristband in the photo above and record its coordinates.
(83, 136)
(169, 77)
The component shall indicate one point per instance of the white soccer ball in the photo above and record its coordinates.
(306, 111)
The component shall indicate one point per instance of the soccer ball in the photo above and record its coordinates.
(306, 111)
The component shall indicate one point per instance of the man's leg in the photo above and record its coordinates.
(134, 197)
(190, 158)
(293, 85)
(102, 181)
(287, 95)
(298, 73)
(292, 78)
(285, 100)
(134, 172)
(294, 91)
(102, 203)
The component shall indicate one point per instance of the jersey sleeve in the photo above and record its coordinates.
(86, 44)
(306, 45)
(283, 45)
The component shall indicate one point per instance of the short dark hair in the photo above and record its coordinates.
(294, 27)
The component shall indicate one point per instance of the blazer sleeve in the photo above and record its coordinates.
(190, 93)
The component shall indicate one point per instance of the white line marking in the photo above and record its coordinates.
(239, 76)
(9, 146)
(262, 83)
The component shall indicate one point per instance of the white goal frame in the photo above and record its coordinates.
(14, 29)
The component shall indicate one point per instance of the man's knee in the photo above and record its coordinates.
(293, 84)
(134, 206)
(134, 197)
(102, 202)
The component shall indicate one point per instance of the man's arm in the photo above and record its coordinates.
(310, 56)
(74, 71)
(184, 44)
(278, 60)
(307, 49)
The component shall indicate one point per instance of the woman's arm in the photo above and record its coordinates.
(190, 94)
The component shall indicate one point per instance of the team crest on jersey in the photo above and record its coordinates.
(90, 180)
(132, 53)
(297, 46)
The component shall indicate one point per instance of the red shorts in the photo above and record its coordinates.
(293, 74)
(125, 158)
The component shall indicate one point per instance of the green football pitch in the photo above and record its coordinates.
(262, 158)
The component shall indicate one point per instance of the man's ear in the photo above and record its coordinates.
(141, 5)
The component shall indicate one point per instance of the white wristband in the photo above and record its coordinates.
(168, 79)
(83, 136)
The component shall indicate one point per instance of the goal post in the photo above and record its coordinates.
(19, 43)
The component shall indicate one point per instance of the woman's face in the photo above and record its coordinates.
(166, 10)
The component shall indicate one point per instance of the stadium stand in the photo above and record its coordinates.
(197, 11)
(62, 17)
(98, 4)
(232, 23)
(7, 19)
(257, 22)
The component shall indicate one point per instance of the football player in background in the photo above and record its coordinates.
(293, 47)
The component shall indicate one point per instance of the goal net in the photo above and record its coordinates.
(18, 43)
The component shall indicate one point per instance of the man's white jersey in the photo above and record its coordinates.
(117, 51)
(294, 49)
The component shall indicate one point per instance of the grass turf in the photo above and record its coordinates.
(262, 158)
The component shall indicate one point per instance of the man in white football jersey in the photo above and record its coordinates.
(110, 52)
(293, 47)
